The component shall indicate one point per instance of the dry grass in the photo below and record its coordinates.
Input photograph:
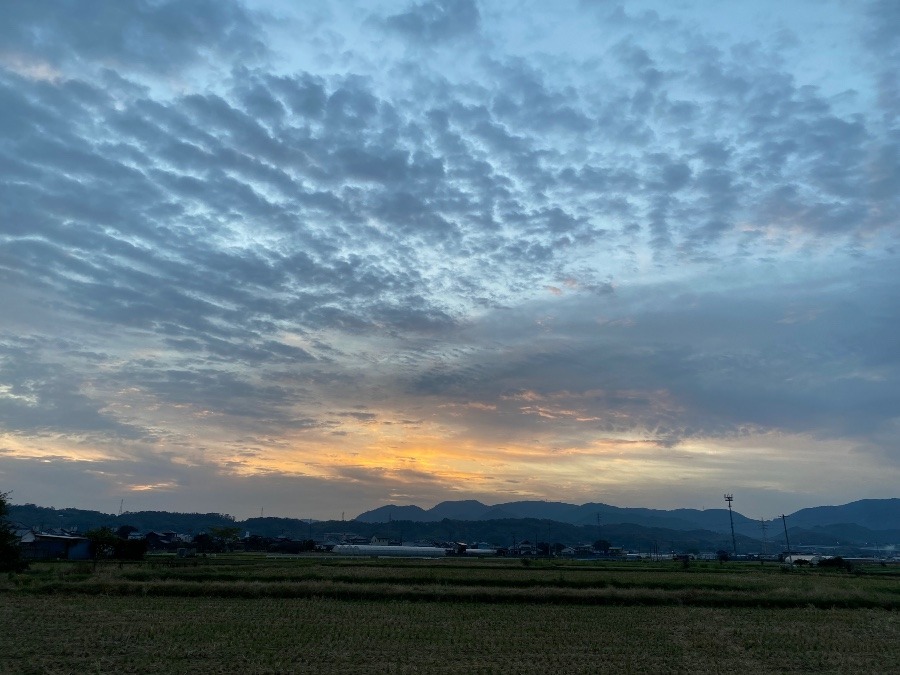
(325, 615)
(472, 581)
(101, 634)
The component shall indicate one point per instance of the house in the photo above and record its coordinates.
(42, 546)
(162, 540)
(523, 548)
(332, 538)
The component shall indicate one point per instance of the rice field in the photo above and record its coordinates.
(334, 616)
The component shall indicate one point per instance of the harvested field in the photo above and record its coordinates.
(327, 615)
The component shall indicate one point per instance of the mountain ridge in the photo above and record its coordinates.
(675, 530)
(871, 514)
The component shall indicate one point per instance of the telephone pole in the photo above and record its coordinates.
(787, 541)
(729, 498)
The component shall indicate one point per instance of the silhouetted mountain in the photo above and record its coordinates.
(385, 514)
(715, 520)
(471, 521)
(45, 518)
(468, 509)
(872, 514)
(841, 535)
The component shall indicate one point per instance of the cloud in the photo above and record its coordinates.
(143, 35)
(686, 364)
(38, 396)
(202, 239)
(434, 22)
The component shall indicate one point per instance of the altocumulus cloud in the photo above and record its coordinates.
(440, 248)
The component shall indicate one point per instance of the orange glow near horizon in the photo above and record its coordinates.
(430, 465)
(51, 448)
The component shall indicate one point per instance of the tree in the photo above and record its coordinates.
(103, 542)
(203, 542)
(10, 552)
(124, 530)
(106, 543)
(602, 546)
(225, 536)
(256, 542)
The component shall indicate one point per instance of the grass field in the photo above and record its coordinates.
(258, 615)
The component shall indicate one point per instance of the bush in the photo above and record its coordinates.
(834, 563)
(106, 544)
(130, 549)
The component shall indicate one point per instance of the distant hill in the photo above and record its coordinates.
(842, 534)
(45, 518)
(714, 520)
(873, 514)
(870, 514)
(870, 524)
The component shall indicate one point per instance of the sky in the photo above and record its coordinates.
(307, 259)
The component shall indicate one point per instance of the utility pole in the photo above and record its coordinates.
(765, 542)
(788, 541)
(729, 498)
